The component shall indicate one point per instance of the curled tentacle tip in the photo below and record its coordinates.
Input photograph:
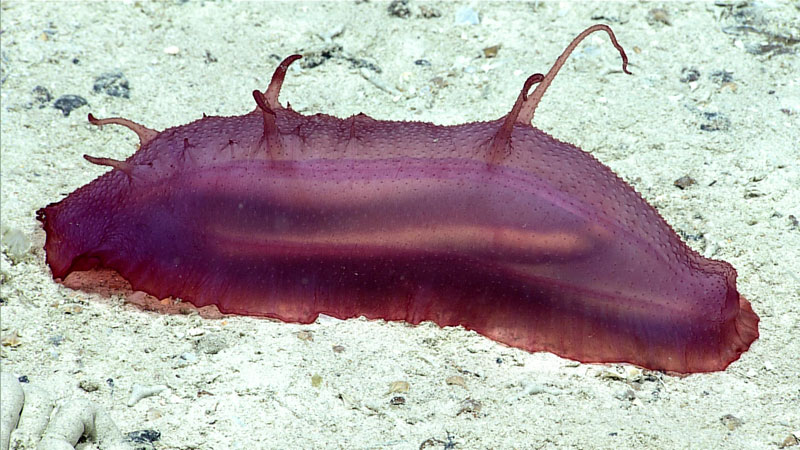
(114, 163)
(261, 101)
(533, 79)
(92, 119)
(96, 160)
(290, 59)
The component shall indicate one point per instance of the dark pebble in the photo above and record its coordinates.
(689, 75)
(358, 63)
(397, 401)
(684, 182)
(316, 57)
(715, 122)
(423, 62)
(428, 12)
(722, 76)
(144, 436)
(42, 96)
(23, 379)
(113, 83)
(399, 8)
(66, 103)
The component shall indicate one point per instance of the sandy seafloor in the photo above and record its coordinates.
(244, 383)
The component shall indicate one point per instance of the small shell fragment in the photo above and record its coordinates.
(305, 336)
(399, 386)
(456, 380)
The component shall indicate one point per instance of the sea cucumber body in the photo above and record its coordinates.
(546, 250)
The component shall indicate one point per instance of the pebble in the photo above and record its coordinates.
(89, 385)
(399, 8)
(41, 96)
(305, 336)
(658, 15)
(196, 331)
(12, 339)
(684, 182)
(731, 422)
(533, 389)
(467, 16)
(491, 52)
(211, 344)
(715, 122)
(154, 414)
(399, 386)
(790, 441)
(112, 83)
(186, 359)
(456, 380)
(621, 372)
(68, 103)
(626, 394)
(172, 50)
(143, 436)
(471, 406)
(16, 244)
(689, 75)
(429, 12)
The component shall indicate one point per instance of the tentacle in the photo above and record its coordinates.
(501, 142)
(270, 136)
(124, 166)
(529, 106)
(268, 103)
(145, 134)
(271, 95)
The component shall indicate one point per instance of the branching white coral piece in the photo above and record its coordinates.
(139, 392)
(26, 419)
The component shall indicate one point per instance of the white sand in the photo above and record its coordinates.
(257, 392)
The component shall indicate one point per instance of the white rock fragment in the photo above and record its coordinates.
(12, 399)
(139, 392)
(81, 418)
(15, 243)
(466, 16)
(34, 418)
(534, 389)
(27, 421)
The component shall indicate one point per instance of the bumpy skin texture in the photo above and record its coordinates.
(287, 216)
